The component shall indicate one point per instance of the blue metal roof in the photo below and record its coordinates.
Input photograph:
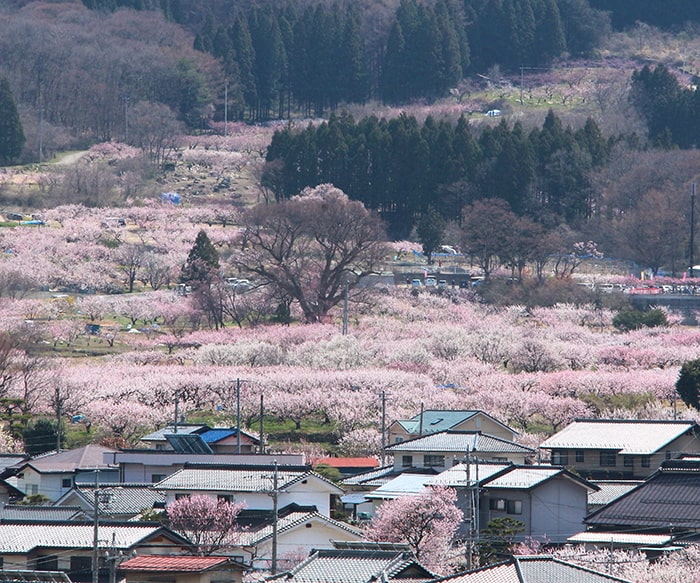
(214, 435)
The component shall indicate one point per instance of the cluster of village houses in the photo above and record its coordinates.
(599, 483)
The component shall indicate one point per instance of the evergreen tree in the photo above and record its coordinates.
(41, 436)
(11, 133)
(354, 75)
(245, 59)
(202, 261)
(430, 229)
(688, 383)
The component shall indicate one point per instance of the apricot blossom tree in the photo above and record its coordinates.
(427, 522)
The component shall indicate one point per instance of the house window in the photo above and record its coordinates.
(47, 563)
(66, 483)
(668, 454)
(398, 439)
(160, 446)
(646, 461)
(580, 456)
(608, 459)
(434, 461)
(406, 461)
(515, 507)
(500, 459)
(224, 498)
(181, 496)
(560, 457)
(498, 504)
(628, 461)
(155, 478)
(80, 568)
(32, 489)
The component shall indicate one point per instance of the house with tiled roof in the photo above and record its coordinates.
(664, 504)
(68, 546)
(38, 513)
(254, 485)
(609, 490)
(550, 502)
(446, 448)
(54, 473)
(181, 569)
(621, 449)
(153, 465)
(357, 566)
(300, 530)
(532, 569)
(122, 501)
(436, 420)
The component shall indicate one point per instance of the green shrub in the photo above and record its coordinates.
(627, 320)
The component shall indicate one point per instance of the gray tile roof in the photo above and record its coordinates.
(22, 538)
(457, 475)
(632, 437)
(523, 478)
(22, 513)
(88, 457)
(356, 566)
(535, 569)
(237, 478)
(460, 441)
(371, 478)
(290, 522)
(668, 499)
(123, 499)
(610, 490)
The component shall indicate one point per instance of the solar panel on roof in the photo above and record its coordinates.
(188, 443)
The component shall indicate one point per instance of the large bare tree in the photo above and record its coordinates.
(312, 246)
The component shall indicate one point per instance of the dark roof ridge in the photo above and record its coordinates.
(640, 421)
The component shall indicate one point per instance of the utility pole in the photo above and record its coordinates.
(275, 517)
(58, 419)
(420, 425)
(95, 531)
(262, 412)
(692, 228)
(238, 416)
(383, 427)
(177, 402)
(470, 513)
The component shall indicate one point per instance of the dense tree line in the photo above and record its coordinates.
(666, 14)
(403, 168)
(671, 111)
(312, 56)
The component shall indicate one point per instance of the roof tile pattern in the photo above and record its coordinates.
(460, 441)
(237, 479)
(178, 564)
(667, 499)
(23, 538)
(351, 566)
(627, 437)
(535, 569)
